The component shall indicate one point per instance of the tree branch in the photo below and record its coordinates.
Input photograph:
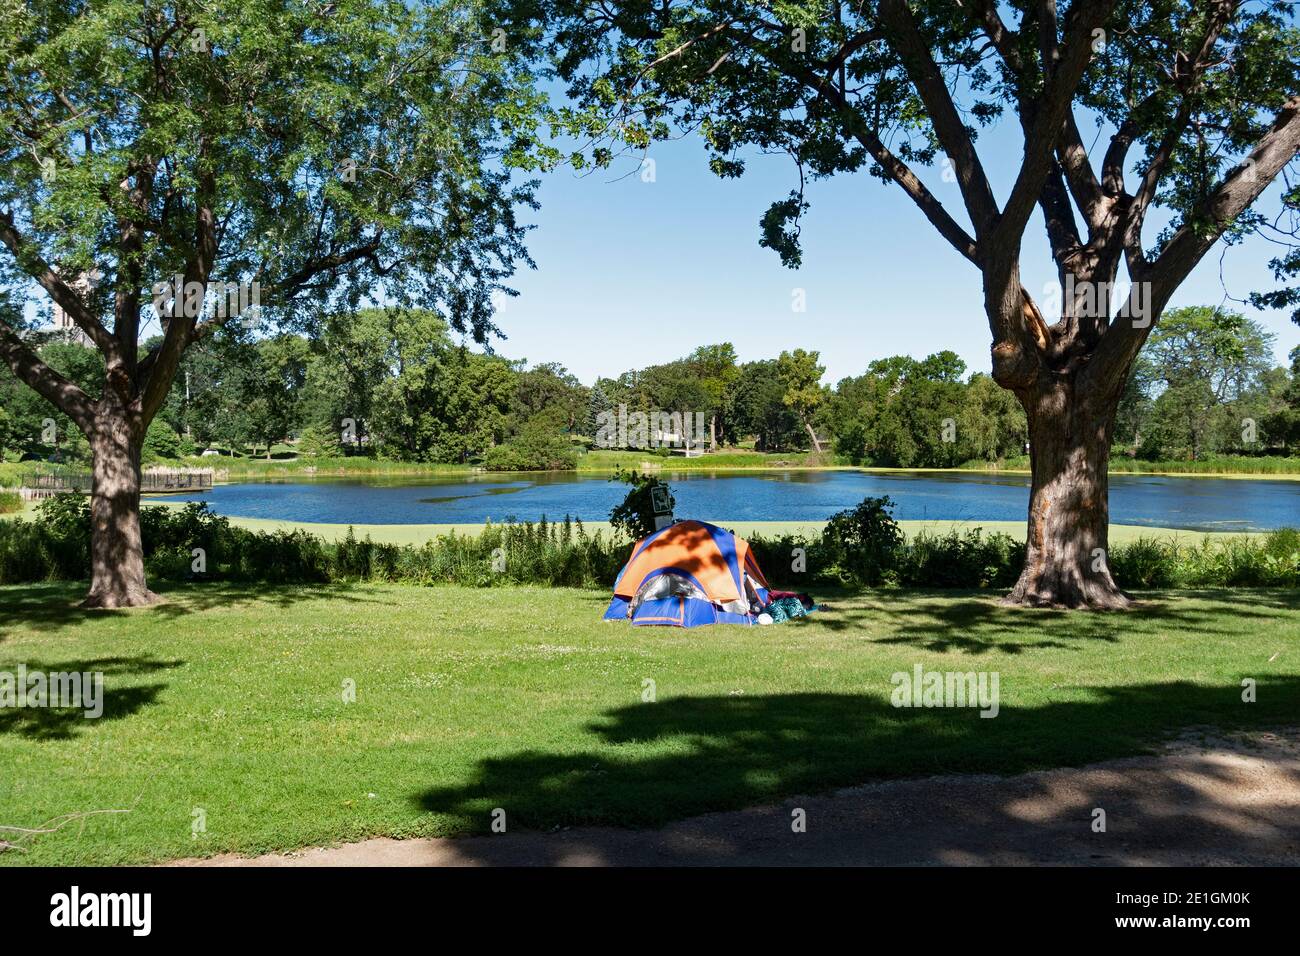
(1057, 98)
(1186, 78)
(1136, 206)
(159, 367)
(1084, 185)
(1199, 231)
(289, 284)
(985, 13)
(1239, 189)
(895, 168)
(27, 366)
(1054, 200)
(1183, 75)
(34, 265)
(948, 126)
(852, 45)
(126, 300)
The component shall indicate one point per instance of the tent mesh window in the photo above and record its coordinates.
(663, 586)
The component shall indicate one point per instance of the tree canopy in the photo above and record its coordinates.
(175, 168)
(1193, 109)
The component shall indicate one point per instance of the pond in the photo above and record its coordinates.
(1199, 504)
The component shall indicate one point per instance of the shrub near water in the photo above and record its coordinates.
(634, 516)
(968, 560)
(1236, 562)
(55, 547)
(865, 547)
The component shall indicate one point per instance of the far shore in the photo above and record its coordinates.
(606, 463)
(360, 473)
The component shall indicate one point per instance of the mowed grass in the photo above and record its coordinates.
(227, 705)
(420, 533)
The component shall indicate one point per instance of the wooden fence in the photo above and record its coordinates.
(156, 480)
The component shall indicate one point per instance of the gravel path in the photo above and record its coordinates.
(1203, 800)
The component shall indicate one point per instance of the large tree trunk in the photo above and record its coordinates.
(1067, 552)
(116, 552)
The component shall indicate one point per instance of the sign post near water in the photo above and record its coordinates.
(662, 508)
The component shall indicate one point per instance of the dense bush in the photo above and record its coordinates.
(532, 450)
(970, 560)
(55, 546)
(864, 544)
(977, 559)
(10, 501)
(319, 441)
(162, 443)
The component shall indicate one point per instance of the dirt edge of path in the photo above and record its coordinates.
(1203, 799)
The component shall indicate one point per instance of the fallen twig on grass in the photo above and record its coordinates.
(27, 834)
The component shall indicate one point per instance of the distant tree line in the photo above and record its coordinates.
(1205, 384)
(393, 383)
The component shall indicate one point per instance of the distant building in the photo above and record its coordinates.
(64, 325)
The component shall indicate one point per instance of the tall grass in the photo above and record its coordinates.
(55, 547)
(1225, 465)
(609, 461)
(231, 468)
(1231, 562)
(557, 554)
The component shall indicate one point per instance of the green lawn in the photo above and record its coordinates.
(229, 700)
(420, 533)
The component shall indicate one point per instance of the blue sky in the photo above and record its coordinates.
(631, 273)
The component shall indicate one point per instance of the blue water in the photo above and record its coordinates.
(1199, 504)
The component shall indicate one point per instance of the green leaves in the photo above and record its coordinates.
(780, 229)
(634, 516)
(342, 142)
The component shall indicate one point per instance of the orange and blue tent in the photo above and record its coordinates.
(687, 574)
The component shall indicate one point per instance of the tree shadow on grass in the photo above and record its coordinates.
(52, 607)
(974, 622)
(668, 760)
(63, 723)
